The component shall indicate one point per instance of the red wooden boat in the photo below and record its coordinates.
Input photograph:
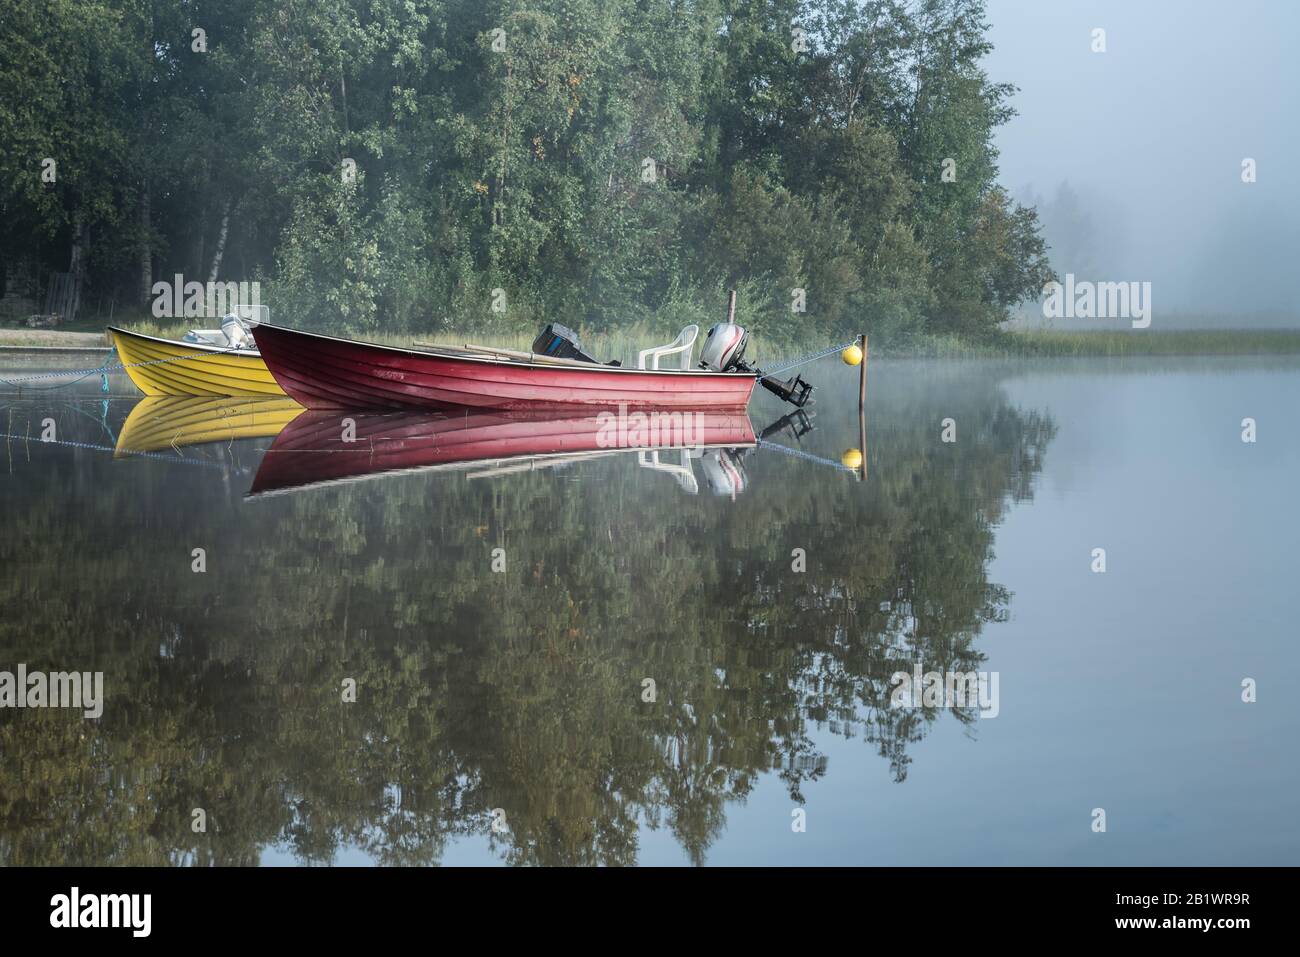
(322, 372)
(312, 450)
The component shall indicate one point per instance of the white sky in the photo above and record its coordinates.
(1156, 128)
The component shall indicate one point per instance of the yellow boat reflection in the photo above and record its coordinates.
(162, 422)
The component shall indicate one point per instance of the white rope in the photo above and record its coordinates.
(811, 357)
(800, 454)
(111, 367)
(30, 439)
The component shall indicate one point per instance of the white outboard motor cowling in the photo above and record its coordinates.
(724, 347)
(236, 332)
(723, 472)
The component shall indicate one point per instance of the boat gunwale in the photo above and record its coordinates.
(182, 344)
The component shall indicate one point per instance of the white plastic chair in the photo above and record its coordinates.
(684, 474)
(683, 344)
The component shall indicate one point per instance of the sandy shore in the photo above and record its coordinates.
(51, 339)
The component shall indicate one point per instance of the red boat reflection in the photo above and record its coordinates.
(323, 446)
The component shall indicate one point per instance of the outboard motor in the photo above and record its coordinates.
(724, 348)
(724, 351)
(236, 332)
(561, 342)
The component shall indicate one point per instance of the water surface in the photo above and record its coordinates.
(519, 696)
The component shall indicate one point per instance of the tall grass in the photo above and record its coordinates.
(1218, 342)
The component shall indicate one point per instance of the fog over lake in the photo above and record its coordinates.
(1150, 136)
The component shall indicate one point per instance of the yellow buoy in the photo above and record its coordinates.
(851, 459)
(852, 355)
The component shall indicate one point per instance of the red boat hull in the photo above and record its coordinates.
(321, 372)
(310, 450)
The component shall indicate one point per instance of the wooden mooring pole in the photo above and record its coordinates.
(862, 410)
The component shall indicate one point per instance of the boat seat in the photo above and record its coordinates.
(682, 345)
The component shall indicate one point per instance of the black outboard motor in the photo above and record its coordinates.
(560, 342)
(724, 351)
(796, 391)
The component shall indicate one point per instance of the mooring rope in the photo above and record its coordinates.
(800, 454)
(810, 357)
(109, 367)
(17, 383)
(31, 439)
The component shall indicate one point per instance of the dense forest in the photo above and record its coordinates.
(409, 165)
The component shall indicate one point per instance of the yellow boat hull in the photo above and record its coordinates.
(161, 367)
(173, 421)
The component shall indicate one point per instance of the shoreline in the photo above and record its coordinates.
(1018, 344)
(48, 341)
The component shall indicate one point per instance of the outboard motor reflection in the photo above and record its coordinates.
(724, 471)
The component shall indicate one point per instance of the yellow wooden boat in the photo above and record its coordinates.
(172, 421)
(161, 367)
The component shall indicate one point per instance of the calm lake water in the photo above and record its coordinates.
(507, 716)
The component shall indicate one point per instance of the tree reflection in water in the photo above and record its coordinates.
(520, 691)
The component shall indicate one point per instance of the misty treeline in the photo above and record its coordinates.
(403, 165)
